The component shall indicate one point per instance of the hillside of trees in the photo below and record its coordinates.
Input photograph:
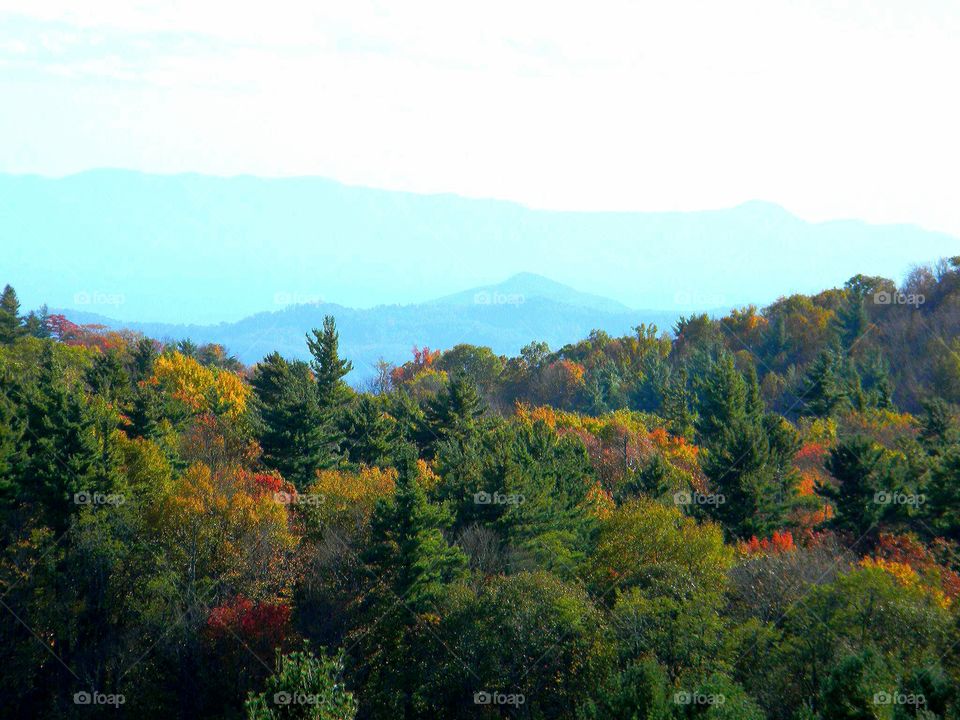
(745, 518)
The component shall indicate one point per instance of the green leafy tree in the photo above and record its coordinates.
(479, 364)
(528, 634)
(304, 687)
(716, 698)
(640, 692)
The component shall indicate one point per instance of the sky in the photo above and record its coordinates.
(831, 108)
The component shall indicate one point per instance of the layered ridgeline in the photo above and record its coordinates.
(195, 249)
(504, 317)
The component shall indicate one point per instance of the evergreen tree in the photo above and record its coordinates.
(832, 384)
(877, 385)
(12, 448)
(656, 479)
(142, 359)
(454, 414)
(35, 324)
(61, 447)
(776, 341)
(10, 323)
(408, 551)
(548, 528)
(942, 508)
(938, 425)
(110, 387)
(410, 565)
(722, 400)
(371, 436)
(855, 465)
(784, 442)
(851, 320)
(754, 407)
(108, 379)
(745, 454)
(145, 412)
(296, 435)
(327, 365)
(747, 497)
(146, 409)
(187, 348)
(676, 406)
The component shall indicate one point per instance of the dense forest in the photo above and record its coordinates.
(746, 517)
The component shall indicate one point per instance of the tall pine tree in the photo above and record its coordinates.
(11, 326)
(61, 446)
(327, 365)
(295, 433)
(410, 565)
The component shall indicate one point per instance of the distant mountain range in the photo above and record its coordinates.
(505, 317)
(200, 249)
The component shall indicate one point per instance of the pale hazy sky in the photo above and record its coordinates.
(832, 108)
